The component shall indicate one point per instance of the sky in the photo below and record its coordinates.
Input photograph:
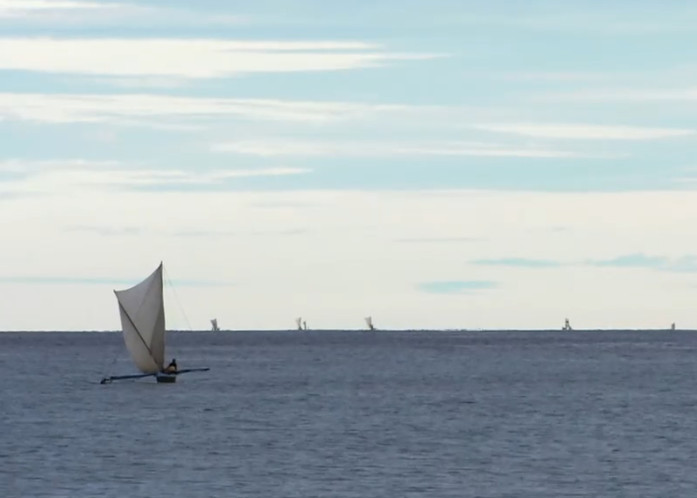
(429, 163)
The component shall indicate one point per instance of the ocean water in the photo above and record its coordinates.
(354, 414)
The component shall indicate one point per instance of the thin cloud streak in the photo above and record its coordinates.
(106, 231)
(291, 232)
(609, 21)
(546, 76)
(33, 13)
(586, 131)
(16, 8)
(278, 148)
(62, 181)
(519, 262)
(137, 109)
(437, 240)
(623, 95)
(28, 166)
(39, 280)
(164, 177)
(685, 263)
(456, 286)
(191, 58)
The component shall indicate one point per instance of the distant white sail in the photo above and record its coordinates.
(214, 325)
(299, 323)
(143, 322)
(369, 322)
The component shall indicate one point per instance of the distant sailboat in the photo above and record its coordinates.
(214, 325)
(304, 325)
(369, 322)
(143, 325)
(567, 325)
(672, 326)
(299, 323)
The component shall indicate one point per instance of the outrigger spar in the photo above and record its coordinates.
(143, 325)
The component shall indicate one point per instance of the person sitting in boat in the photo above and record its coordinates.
(172, 367)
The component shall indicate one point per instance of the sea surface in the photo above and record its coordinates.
(354, 414)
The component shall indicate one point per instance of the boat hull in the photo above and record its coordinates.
(164, 378)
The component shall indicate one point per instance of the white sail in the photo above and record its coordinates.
(369, 322)
(214, 325)
(298, 322)
(143, 322)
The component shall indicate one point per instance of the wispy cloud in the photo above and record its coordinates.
(586, 131)
(232, 233)
(280, 204)
(30, 166)
(554, 17)
(436, 240)
(554, 76)
(686, 178)
(637, 260)
(687, 263)
(273, 148)
(53, 280)
(136, 109)
(18, 8)
(190, 58)
(158, 177)
(519, 262)
(106, 231)
(67, 13)
(66, 177)
(623, 95)
(456, 286)
(111, 231)
(143, 82)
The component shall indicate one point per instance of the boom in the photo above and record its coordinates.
(109, 380)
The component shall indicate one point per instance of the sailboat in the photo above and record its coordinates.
(214, 325)
(369, 322)
(567, 325)
(299, 323)
(143, 325)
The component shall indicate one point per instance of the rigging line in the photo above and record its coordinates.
(115, 356)
(176, 298)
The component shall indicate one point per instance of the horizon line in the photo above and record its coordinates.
(478, 330)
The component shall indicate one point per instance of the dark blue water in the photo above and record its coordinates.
(351, 414)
